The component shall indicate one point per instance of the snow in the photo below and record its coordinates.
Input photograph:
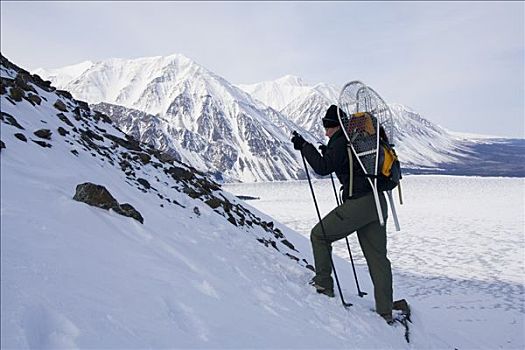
(458, 260)
(62, 76)
(281, 92)
(76, 276)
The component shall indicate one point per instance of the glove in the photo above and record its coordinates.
(298, 141)
(323, 149)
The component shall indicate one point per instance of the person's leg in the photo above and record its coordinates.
(372, 239)
(340, 222)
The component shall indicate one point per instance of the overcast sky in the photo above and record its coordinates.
(459, 64)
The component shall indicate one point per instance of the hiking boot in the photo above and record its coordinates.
(328, 292)
(388, 318)
(323, 290)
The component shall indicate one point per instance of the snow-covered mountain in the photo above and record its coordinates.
(176, 105)
(281, 92)
(191, 267)
(302, 103)
(202, 118)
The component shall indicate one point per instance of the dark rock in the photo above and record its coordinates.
(162, 156)
(42, 143)
(22, 81)
(44, 85)
(21, 137)
(75, 152)
(144, 158)
(2, 144)
(34, 98)
(247, 198)
(3, 84)
(227, 205)
(130, 143)
(99, 196)
(62, 131)
(207, 185)
(83, 105)
(91, 135)
(231, 219)
(144, 183)
(64, 93)
(43, 134)
(310, 267)
(61, 106)
(78, 115)
(100, 129)
(192, 193)
(63, 118)
(95, 195)
(288, 244)
(214, 202)
(293, 257)
(9, 119)
(196, 211)
(16, 93)
(179, 173)
(125, 165)
(128, 210)
(102, 116)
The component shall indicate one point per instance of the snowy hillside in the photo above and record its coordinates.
(191, 267)
(208, 122)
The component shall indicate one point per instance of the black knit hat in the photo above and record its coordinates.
(330, 119)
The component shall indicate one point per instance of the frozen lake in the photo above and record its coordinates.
(460, 254)
(461, 227)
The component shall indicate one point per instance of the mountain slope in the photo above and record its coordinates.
(202, 269)
(212, 124)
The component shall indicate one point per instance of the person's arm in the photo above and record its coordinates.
(323, 165)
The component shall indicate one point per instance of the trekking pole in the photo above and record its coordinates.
(345, 304)
(359, 292)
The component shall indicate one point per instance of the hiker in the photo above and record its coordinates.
(356, 213)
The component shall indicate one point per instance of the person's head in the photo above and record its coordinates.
(331, 121)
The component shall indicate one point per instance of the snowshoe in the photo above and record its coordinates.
(401, 313)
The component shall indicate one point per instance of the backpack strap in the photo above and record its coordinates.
(351, 166)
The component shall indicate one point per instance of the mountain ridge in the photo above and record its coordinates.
(244, 135)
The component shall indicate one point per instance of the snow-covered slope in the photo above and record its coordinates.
(64, 75)
(302, 103)
(202, 270)
(211, 124)
(281, 92)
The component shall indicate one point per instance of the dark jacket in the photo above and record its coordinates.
(335, 160)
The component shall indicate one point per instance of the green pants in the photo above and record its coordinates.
(356, 215)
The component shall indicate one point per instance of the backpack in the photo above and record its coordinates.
(362, 127)
(389, 169)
